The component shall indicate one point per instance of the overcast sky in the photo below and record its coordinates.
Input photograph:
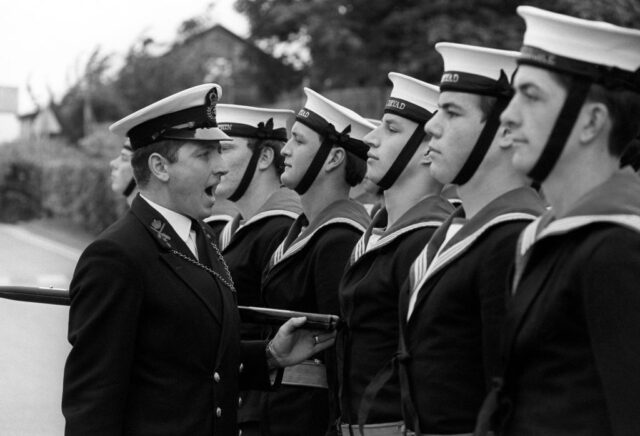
(43, 42)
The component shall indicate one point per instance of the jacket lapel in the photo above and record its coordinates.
(196, 279)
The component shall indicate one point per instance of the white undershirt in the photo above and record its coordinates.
(180, 224)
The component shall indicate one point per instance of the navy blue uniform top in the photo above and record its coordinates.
(156, 346)
(452, 311)
(304, 275)
(573, 326)
(369, 307)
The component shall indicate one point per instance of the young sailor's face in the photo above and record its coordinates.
(298, 153)
(531, 114)
(454, 130)
(236, 155)
(386, 142)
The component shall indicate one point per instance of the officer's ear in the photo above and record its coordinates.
(159, 166)
(337, 155)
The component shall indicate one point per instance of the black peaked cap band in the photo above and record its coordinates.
(474, 84)
(330, 138)
(185, 120)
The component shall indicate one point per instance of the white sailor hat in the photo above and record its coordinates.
(186, 115)
(476, 70)
(374, 121)
(412, 98)
(606, 53)
(255, 122)
(319, 113)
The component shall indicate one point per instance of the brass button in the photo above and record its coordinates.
(240, 432)
(239, 401)
(218, 412)
(216, 377)
(241, 368)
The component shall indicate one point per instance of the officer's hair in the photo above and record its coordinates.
(624, 109)
(275, 145)
(167, 148)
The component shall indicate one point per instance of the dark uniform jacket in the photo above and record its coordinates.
(573, 325)
(452, 312)
(156, 346)
(369, 306)
(303, 275)
(247, 247)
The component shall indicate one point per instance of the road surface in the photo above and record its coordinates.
(33, 336)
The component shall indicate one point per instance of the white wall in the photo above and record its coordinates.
(9, 127)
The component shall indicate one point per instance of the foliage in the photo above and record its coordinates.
(357, 42)
(91, 99)
(50, 178)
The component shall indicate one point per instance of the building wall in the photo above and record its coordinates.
(9, 127)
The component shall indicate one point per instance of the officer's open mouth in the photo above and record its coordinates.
(209, 190)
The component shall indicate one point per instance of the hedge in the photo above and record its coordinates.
(40, 179)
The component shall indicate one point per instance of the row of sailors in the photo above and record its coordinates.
(439, 315)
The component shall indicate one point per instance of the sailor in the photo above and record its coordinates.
(324, 158)
(398, 162)
(122, 181)
(153, 322)
(571, 345)
(452, 306)
(266, 211)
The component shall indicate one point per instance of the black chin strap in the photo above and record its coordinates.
(130, 187)
(578, 91)
(247, 176)
(329, 140)
(403, 158)
(483, 143)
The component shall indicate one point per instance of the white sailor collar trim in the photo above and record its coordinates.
(532, 234)
(448, 253)
(280, 255)
(361, 247)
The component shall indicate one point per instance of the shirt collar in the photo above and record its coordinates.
(180, 223)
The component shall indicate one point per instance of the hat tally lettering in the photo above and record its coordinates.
(476, 70)
(186, 115)
(412, 98)
(253, 122)
(594, 42)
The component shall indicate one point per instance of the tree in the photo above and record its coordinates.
(357, 42)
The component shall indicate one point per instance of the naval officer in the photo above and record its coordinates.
(153, 322)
